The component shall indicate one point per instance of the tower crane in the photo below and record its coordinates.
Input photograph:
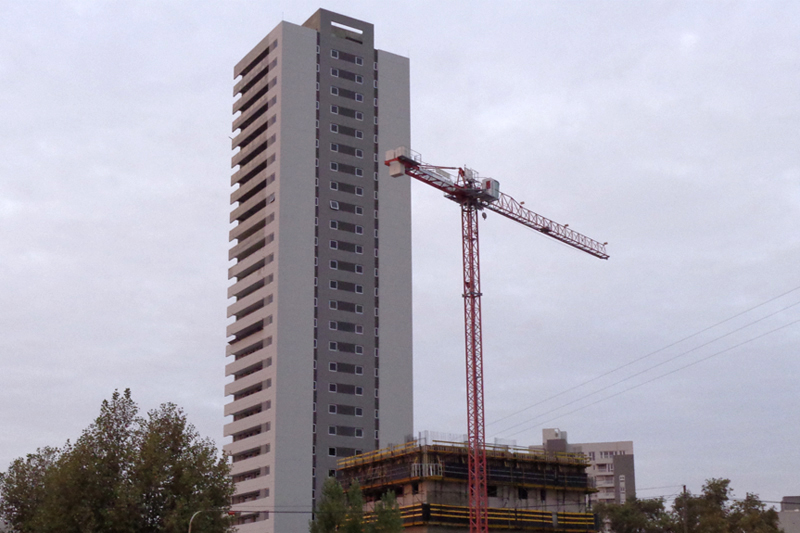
(473, 194)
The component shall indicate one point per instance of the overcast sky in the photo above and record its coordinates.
(669, 129)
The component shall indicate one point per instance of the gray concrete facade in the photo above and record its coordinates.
(789, 515)
(611, 468)
(320, 344)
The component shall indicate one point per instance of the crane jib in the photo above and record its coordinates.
(473, 195)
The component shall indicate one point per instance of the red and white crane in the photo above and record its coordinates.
(463, 186)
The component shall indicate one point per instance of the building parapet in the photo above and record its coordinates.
(445, 447)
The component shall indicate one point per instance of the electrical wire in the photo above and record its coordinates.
(648, 369)
(633, 361)
(657, 377)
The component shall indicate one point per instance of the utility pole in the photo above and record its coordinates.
(685, 511)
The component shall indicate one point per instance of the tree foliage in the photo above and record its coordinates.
(712, 511)
(124, 474)
(636, 516)
(332, 508)
(343, 511)
(387, 516)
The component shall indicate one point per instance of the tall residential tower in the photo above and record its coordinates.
(319, 346)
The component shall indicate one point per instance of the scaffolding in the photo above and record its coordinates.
(528, 489)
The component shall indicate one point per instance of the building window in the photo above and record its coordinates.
(359, 191)
(331, 430)
(332, 325)
(332, 387)
(334, 264)
(334, 91)
(332, 409)
(332, 367)
(335, 109)
(332, 346)
(359, 61)
(334, 147)
(359, 134)
(359, 433)
(335, 72)
(359, 391)
(359, 97)
(334, 204)
(335, 54)
(331, 452)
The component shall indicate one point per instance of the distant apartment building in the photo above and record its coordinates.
(789, 515)
(611, 467)
(319, 343)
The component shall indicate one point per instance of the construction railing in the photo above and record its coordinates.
(424, 514)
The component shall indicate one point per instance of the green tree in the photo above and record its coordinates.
(124, 474)
(712, 511)
(354, 520)
(713, 506)
(331, 510)
(752, 516)
(637, 516)
(22, 488)
(387, 516)
(343, 511)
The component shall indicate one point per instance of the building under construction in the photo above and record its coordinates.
(528, 489)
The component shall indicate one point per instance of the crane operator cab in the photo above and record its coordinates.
(490, 190)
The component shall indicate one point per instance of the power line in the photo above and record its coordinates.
(651, 380)
(658, 488)
(652, 367)
(642, 358)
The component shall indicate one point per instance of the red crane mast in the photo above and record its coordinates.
(463, 186)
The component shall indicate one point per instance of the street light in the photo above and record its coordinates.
(230, 513)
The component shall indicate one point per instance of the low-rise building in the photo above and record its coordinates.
(789, 515)
(611, 467)
(528, 489)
